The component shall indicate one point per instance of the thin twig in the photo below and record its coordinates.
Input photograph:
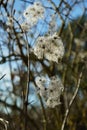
(71, 102)
(44, 114)
(30, 2)
(28, 80)
(2, 76)
(43, 110)
(5, 123)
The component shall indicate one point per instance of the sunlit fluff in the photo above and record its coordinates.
(50, 90)
(49, 47)
(32, 14)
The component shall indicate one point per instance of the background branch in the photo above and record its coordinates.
(71, 102)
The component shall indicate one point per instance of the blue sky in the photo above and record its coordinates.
(76, 11)
(20, 6)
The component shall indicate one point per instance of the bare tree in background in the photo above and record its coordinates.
(43, 52)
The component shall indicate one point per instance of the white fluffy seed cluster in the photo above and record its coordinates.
(10, 21)
(32, 14)
(50, 90)
(49, 47)
(42, 86)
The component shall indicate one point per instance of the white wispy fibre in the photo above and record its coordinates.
(49, 47)
(54, 91)
(53, 24)
(42, 86)
(10, 21)
(32, 14)
(50, 91)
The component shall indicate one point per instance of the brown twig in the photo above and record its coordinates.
(5, 123)
(71, 102)
(27, 89)
(2, 76)
(44, 114)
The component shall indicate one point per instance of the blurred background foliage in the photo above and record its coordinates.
(14, 62)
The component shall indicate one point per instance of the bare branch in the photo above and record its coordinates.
(71, 102)
(2, 76)
(5, 123)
